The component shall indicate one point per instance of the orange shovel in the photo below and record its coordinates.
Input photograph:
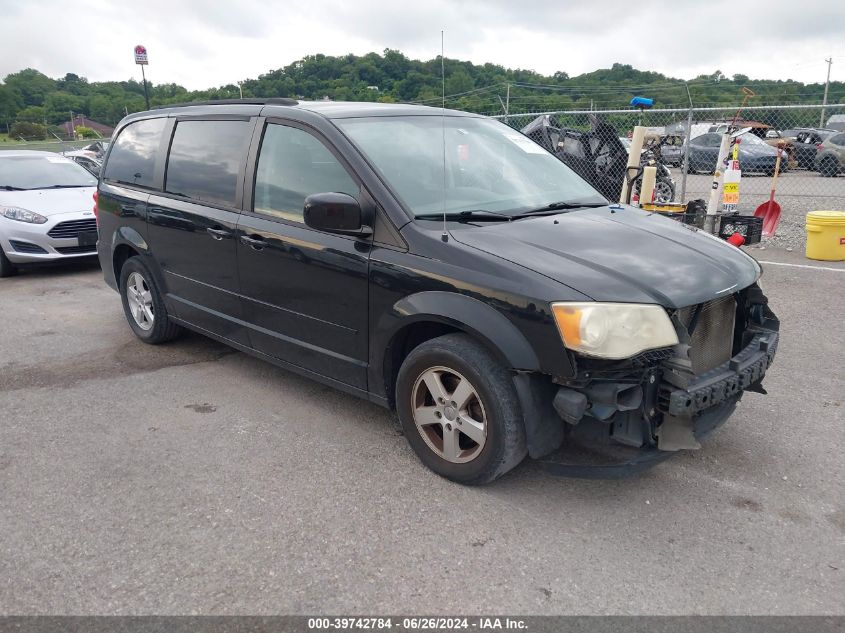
(770, 211)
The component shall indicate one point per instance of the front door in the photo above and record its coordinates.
(192, 224)
(305, 291)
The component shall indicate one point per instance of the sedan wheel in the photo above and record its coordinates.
(449, 415)
(140, 301)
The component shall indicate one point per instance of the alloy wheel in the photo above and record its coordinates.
(663, 192)
(140, 301)
(449, 414)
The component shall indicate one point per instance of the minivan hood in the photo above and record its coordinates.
(620, 255)
(49, 202)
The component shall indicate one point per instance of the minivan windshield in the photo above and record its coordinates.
(42, 172)
(488, 165)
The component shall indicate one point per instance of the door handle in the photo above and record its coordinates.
(219, 234)
(256, 243)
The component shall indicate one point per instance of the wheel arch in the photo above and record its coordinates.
(126, 243)
(426, 315)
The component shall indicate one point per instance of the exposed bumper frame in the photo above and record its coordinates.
(724, 382)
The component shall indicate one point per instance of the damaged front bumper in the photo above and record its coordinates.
(615, 418)
(722, 383)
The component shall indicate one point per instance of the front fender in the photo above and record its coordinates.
(544, 430)
(471, 315)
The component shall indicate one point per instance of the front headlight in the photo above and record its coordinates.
(613, 330)
(22, 215)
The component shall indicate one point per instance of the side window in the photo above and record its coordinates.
(292, 165)
(133, 158)
(573, 146)
(839, 139)
(205, 158)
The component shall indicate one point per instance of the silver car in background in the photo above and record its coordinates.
(46, 209)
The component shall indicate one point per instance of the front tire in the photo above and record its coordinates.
(7, 268)
(143, 304)
(459, 410)
(829, 167)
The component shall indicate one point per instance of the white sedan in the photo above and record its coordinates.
(46, 209)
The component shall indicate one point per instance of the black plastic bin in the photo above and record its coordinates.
(750, 227)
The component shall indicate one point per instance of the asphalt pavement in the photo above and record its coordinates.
(191, 479)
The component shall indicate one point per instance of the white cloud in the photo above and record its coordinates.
(201, 44)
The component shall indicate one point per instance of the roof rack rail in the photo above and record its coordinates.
(269, 101)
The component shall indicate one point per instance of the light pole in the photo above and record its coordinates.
(146, 94)
(241, 89)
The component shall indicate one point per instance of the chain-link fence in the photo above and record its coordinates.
(684, 144)
(49, 146)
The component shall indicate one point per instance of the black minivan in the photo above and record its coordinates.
(438, 263)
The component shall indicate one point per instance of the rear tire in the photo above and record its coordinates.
(475, 433)
(143, 304)
(7, 268)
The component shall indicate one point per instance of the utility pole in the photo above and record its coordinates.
(826, 85)
(240, 89)
(508, 104)
(687, 134)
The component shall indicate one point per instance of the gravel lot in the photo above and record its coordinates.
(798, 192)
(192, 479)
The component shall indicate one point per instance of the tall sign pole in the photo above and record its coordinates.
(141, 60)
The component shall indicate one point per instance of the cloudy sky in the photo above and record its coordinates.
(200, 44)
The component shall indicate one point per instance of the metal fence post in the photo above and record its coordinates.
(685, 164)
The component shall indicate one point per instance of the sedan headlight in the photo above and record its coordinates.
(22, 215)
(613, 330)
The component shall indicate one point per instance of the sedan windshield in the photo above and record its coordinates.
(485, 165)
(748, 138)
(42, 172)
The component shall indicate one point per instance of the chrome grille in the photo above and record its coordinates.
(72, 228)
(712, 339)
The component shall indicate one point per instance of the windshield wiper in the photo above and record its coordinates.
(63, 186)
(553, 207)
(11, 188)
(482, 215)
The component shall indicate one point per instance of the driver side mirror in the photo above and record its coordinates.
(335, 213)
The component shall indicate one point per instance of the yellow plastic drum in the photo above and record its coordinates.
(826, 235)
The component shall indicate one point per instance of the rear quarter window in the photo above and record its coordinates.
(205, 160)
(839, 139)
(133, 158)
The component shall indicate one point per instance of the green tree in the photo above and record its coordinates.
(31, 85)
(28, 131)
(33, 114)
(10, 104)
